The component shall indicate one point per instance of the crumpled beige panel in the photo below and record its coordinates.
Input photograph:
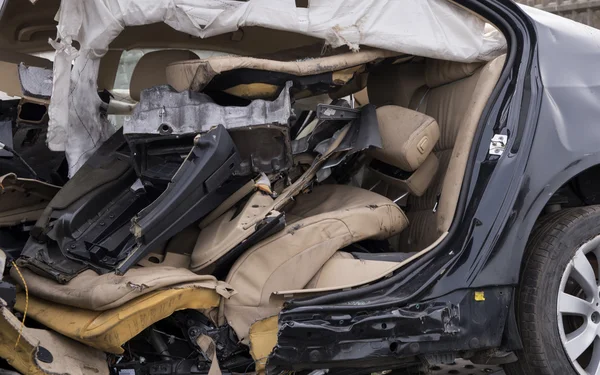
(195, 74)
(465, 123)
(329, 218)
(91, 291)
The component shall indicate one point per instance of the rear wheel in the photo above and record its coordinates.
(558, 306)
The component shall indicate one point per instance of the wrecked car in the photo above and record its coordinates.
(325, 187)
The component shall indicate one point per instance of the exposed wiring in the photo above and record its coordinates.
(255, 363)
(171, 337)
(12, 151)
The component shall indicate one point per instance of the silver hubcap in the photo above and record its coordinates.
(579, 309)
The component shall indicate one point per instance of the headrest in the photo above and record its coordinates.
(151, 69)
(441, 72)
(408, 137)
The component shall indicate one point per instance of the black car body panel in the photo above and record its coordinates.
(566, 137)
(548, 103)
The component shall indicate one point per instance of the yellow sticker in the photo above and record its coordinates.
(479, 296)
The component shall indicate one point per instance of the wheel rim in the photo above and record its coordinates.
(578, 309)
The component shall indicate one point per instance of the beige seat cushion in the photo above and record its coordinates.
(91, 291)
(151, 69)
(195, 75)
(343, 269)
(324, 221)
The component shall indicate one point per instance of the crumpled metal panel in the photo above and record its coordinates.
(162, 110)
(35, 82)
(260, 130)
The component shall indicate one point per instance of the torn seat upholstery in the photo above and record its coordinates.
(106, 311)
(318, 224)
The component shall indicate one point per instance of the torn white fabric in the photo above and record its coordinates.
(429, 28)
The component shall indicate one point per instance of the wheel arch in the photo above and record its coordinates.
(581, 169)
(578, 171)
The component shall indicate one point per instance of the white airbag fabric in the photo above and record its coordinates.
(429, 28)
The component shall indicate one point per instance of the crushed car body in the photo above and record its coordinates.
(288, 204)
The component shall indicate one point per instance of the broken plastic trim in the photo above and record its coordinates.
(324, 129)
(362, 135)
(336, 112)
(202, 182)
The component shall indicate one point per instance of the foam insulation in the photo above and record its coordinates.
(429, 28)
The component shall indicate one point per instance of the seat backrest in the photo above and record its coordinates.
(151, 69)
(454, 94)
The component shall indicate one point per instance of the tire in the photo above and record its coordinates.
(553, 251)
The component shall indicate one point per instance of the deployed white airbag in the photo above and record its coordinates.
(429, 28)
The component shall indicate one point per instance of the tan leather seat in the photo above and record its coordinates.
(234, 222)
(455, 95)
(319, 224)
(150, 70)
